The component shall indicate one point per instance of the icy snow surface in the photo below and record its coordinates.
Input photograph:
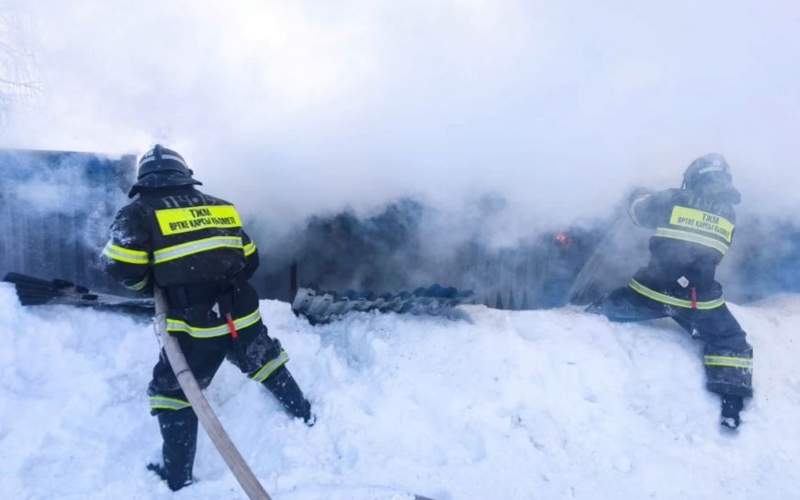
(514, 405)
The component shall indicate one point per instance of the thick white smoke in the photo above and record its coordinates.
(295, 107)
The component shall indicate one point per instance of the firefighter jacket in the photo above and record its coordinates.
(194, 247)
(692, 235)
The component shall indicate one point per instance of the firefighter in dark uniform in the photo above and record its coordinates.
(694, 228)
(194, 247)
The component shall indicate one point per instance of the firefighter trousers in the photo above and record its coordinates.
(727, 356)
(255, 353)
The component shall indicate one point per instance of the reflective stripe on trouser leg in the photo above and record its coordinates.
(165, 403)
(269, 368)
(729, 374)
(728, 361)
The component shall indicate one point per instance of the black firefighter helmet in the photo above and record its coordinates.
(710, 176)
(160, 167)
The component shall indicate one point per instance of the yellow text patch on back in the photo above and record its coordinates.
(184, 220)
(702, 221)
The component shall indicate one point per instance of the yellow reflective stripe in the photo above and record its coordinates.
(122, 254)
(699, 220)
(193, 247)
(677, 234)
(268, 369)
(165, 403)
(249, 249)
(184, 220)
(177, 325)
(140, 285)
(674, 301)
(729, 361)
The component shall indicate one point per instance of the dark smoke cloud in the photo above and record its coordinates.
(64, 201)
(399, 249)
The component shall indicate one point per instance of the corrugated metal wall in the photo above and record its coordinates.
(55, 209)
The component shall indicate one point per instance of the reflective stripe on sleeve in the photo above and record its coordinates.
(126, 255)
(177, 325)
(634, 203)
(268, 369)
(193, 247)
(674, 301)
(137, 287)
(677, 234)
(729, 361)
(165, 403)
(249, 249)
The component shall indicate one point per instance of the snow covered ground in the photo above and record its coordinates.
(513, 405)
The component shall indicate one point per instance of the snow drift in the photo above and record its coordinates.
(512, 405)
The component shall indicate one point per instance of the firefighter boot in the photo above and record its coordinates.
(731, 406)
(283, 386)
(179, 431)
